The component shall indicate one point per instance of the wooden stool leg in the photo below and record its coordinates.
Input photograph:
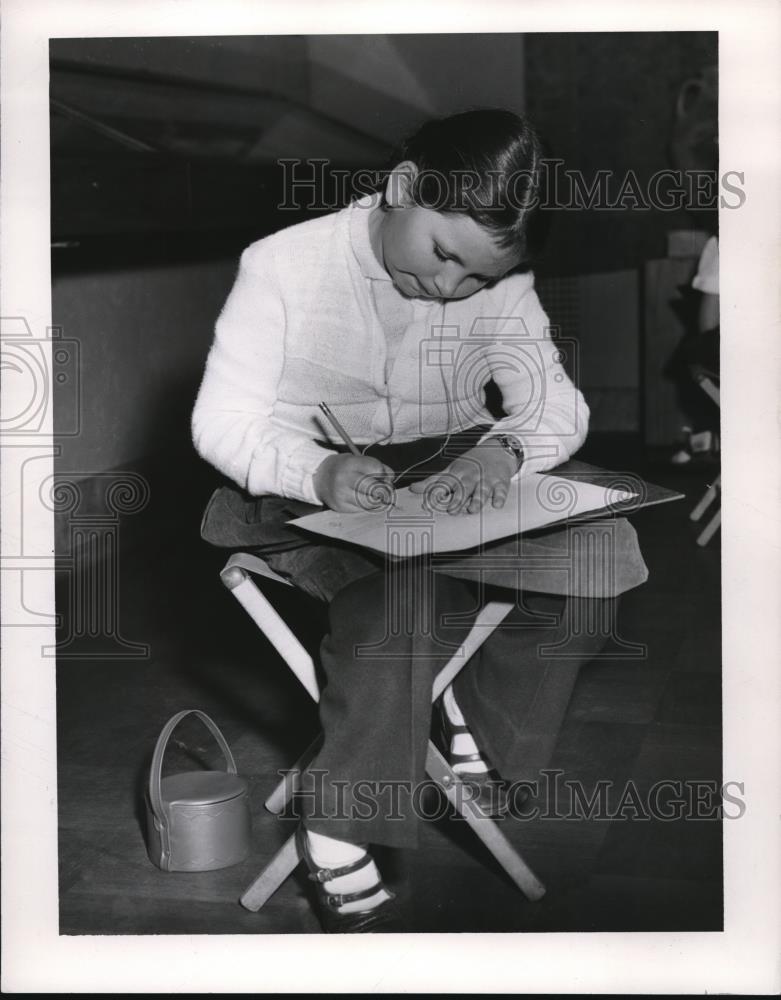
(485, 828)
(270, 623)
(290, 784)
(712, 526)
(710, 529)
(710, 495)
(273, 875)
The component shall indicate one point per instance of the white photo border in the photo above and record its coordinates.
(742, 958)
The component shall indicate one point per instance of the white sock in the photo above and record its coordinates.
(328, 852)
(451, 707)
(461, 742)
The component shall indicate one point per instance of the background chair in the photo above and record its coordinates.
(708, 383)
(236, 577)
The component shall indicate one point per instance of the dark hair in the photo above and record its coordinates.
(487, 164)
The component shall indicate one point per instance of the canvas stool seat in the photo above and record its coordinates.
(238, 576)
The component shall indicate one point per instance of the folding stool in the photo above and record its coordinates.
(236, 577)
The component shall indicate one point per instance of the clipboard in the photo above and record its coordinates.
(406, 525)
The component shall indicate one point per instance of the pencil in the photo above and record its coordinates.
(326, 411)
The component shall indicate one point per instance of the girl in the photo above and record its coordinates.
(396, 311)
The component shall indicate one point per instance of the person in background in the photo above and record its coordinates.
(700, 352)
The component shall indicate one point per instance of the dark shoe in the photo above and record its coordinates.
(380, 919)
(487, 788)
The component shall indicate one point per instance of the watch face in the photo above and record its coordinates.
(513, 446)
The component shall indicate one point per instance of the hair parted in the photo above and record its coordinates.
(487, 164)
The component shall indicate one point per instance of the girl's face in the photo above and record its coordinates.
(436, 255)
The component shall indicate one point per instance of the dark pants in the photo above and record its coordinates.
(389, 635)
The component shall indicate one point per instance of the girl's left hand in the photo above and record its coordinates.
(481, 474)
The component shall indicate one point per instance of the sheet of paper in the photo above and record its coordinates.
(418, 523)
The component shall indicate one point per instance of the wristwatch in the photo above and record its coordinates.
(511, 445)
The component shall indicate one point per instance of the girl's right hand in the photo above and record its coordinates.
(350, 482)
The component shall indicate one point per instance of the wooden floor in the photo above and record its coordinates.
(630, 721)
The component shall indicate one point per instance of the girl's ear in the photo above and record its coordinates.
(398, 190)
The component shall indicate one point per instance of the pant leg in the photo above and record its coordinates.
(321, 571)
(386, 643)
(515, 692)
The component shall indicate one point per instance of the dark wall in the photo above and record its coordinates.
(606, 102)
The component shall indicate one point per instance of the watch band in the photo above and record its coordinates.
(511, 445)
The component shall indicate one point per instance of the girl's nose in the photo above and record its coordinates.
(446, 285)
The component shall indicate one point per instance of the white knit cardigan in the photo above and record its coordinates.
(300, 326)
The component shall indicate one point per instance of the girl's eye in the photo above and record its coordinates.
(476, 277)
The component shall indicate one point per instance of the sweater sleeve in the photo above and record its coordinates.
(232, 425)
(545, 410)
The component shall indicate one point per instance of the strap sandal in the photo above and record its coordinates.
(488, 790)
(382, 918)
